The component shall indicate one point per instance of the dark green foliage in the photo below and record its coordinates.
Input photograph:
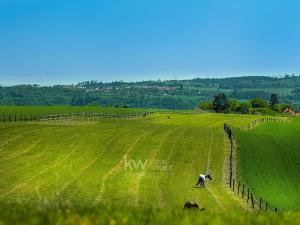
(220, 103)
(172, 94)
(296, 94)
(254, 106)
(274, 100)
(243, 107)
(258, 103)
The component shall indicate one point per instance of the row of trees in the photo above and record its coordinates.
(221, 104)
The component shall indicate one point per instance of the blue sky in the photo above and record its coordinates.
(60, 41)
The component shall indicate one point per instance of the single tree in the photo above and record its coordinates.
(274, 100)
(220, 103)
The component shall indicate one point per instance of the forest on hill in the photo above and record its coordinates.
(171, 94)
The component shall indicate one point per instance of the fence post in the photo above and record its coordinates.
(243, 192)
(260, 203)
(276, 210)
(238, 188)
(233, 185)
(266, 206)
(248, 196)
(252, 201)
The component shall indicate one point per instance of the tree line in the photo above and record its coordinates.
(222, 104)
(171, 94)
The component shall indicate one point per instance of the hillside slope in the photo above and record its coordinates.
(269, 162)
(172, 94)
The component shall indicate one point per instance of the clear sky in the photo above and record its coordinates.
(61, 41)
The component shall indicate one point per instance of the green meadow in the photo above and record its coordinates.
(122, 171)
(40, 110)
(269, 162)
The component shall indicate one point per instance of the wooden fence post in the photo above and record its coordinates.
(238, 188)
(260, 203)
(276, 210)
(233, 185)
(252, 201)
(248, 196)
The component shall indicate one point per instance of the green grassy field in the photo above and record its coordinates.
(85, 215)
(50, 110)
(269, 162)
(113, 171)
(83, 162)
(39, 110)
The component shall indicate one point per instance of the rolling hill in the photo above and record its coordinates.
(269, 162)
(170, 94)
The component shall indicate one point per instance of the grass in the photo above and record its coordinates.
(269, 162)
(74, 172)
(39, 110)
(50, 110)
(84, 215)
(83, 163)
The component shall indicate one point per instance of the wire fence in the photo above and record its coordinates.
(241, 189)
(85, 115)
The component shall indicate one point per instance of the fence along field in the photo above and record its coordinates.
(84, 164)
(266, 163)
(54, 110)
(37, 113)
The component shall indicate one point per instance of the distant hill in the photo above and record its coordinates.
(171, 94)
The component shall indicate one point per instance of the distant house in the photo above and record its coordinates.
(292, 112)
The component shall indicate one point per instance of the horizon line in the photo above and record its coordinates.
(46, 84)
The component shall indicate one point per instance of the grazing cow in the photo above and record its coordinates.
(189, 205)
(202, 179)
